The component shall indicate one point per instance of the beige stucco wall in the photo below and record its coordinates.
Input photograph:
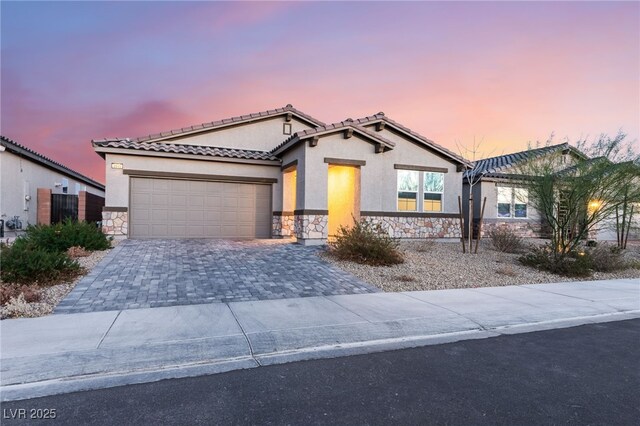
(490, 190)
(261, 135)
(20, 177)
(297, 154)
(118, 182)
(378, 176)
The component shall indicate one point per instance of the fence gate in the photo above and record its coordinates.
(63, 206)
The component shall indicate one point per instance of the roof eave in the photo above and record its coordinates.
(18, 149)
(102, 151)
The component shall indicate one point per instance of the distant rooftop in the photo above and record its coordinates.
(21, 150)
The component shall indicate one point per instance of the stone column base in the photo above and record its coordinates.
(282, 225)
(115, 222)
(311, 228)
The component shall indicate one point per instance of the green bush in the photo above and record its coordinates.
(60, 237)
(506, 241)
(364, 243)
(578, 264)
(24, 262)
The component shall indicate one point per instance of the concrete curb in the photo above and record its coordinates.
(108, 380)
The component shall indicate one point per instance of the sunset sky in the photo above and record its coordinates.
(508, 73)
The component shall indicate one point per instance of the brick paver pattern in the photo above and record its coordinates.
(152, 273)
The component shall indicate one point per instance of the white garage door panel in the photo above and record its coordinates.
(172, 208)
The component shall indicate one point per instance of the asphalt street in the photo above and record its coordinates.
(582, 375)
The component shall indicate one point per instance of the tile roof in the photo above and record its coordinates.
(492, 167)
(208, 151)
(417, 136)
(288, 109)
(329, 129)
(21, 150)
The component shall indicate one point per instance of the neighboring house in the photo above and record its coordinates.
(28, 180)
(280, 173)
(507, 205)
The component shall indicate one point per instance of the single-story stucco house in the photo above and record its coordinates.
(28, 180)
(280, 173)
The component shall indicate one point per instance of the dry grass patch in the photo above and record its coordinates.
(507, 270)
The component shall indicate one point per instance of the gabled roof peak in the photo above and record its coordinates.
(428, 143)
(197, 128)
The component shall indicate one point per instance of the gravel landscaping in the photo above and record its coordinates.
(52, 295)
(431, 265)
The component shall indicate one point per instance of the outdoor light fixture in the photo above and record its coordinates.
(116, 165)
(594, 204)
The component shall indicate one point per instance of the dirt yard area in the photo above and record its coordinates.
(431, 265)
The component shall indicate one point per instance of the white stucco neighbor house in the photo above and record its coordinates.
(496, 178)
(26, 176)
(280, 173)
(507, 206)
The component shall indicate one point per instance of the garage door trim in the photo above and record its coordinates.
(199, 176)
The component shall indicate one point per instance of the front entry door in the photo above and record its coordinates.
(343, 196)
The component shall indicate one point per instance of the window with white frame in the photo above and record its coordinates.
(408, 184)
(427, 199)
(433, 184)
(512, 202)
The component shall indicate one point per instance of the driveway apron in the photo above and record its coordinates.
(152, 273)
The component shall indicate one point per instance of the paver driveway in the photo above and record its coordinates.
(150, 273)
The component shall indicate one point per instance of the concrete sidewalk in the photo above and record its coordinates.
(64, 353)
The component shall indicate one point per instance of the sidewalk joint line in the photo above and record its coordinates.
(246, 336)
(482, 327)
(108, 330)
(344, 307)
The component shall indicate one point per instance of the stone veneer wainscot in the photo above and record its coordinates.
(418, 225)
(115, 222)
(525, 228)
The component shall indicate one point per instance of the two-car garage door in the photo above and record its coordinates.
(173, 208)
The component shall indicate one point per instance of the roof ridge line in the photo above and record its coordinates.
(54, 162)
(224, 121)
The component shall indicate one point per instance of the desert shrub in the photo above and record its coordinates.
(606, 258)
(367, 244)
(506, 241)
(62, 236)
(9, 291)
(77, 251)
(577, 264)
(507, 271)
(24, 262)
(18, 307)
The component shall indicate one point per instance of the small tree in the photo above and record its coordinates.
(471, 152)
(574, 198)
(617, 151)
